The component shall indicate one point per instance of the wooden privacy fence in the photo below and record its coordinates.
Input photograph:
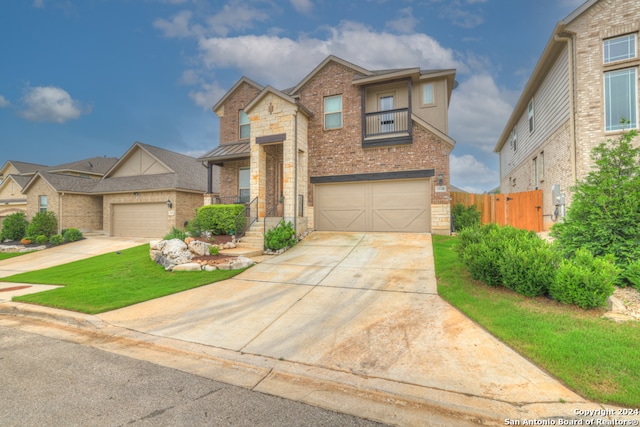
(520, 210)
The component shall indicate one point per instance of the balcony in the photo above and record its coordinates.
(387, 127)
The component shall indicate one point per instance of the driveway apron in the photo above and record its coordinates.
(362, 303)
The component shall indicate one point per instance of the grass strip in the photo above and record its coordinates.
(596, 357)
(8, 255)
(111, 281)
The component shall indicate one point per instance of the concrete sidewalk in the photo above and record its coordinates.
(346, 321)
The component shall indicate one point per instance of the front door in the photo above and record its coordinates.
(386, 120)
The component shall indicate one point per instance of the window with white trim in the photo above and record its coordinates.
(244, 178)
(621, 99)
(427, 94)
(530, 115)
(513, 139)
(42, 203)
(333, 112)
(619, 48)
(245, 125)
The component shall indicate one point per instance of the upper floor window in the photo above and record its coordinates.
(244, 181)
(427, 94)
(619, 48)
(530, 115)
(620, 99)
(333, 112)
(513, 140)
(42, 203)
(245, 126)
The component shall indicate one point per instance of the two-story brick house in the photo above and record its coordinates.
(346, 149)
(585, 82)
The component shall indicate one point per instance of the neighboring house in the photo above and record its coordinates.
(143, 194)
(585, 82)
(346, 149)
(14, 176)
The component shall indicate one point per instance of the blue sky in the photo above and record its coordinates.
(84, 78)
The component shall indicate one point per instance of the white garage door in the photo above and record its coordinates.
(397, 205)
(140, 220)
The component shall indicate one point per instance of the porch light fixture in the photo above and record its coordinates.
(169, 204)
(440, 178)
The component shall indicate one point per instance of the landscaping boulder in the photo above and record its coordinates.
(236, 263)
(170, 253)
(199, 248)
(191, 266)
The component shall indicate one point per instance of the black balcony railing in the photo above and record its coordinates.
(387, 122)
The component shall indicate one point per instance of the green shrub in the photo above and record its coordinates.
(41, 239)
(175, 233)
(43, 223)
(14, 227)
(280, 237)
(465, 216)
(631, 274)
(604, 216)
(219, 219)
(213, 250)
(528, 264)
(194, 228)
(56, 239)
(585, 280)
(72, 235)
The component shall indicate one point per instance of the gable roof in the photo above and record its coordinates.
(327, 60)
(270, 90)
(239, 83)
(63, 183)
(93, 166)
(23, 167)
(188, 173)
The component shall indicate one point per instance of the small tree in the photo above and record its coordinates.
(43, 223)
(14, 227)
(465, 216)
(604, 216)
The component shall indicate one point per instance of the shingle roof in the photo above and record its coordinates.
(70, 183)
(24, 167)
(94, 165)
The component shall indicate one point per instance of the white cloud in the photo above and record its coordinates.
(177, 27)
(479, 110)
(461, 15)
(208, 95)
(253, 54)
(302, 6)
(39, 4)
(4, 102)
(50, 104)
(235, 16)
(404, 23)
(472, 175)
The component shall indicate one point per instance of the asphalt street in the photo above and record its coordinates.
(49, 382)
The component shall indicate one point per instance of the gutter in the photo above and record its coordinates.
(572, 116)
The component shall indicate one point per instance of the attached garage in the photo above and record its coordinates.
(398, 205)
(140, 220)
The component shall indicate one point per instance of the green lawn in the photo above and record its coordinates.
(597, 358)
(111, 281)
(11, 255)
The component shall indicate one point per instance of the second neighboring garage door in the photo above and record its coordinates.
(394, 205)
(140, 220)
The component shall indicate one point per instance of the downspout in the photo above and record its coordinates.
(295, 171)
(572, 116)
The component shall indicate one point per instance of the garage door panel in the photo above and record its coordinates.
(399, 205)
(140, 220)
(341, 219)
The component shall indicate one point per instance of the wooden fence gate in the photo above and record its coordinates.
(520, 210)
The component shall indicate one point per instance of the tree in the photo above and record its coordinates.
(604, 216)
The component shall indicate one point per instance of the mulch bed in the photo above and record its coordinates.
(214, 259)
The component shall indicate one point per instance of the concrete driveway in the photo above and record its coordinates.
(357, 303)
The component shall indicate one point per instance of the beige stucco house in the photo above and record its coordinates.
(585, 82)
(143, 194)
(345, 149)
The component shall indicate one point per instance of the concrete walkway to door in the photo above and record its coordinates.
(352, 321)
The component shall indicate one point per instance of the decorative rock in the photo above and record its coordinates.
(199, 248)
(188, 240)
(209, 268)
(153, 245)
(174, 252)
(237, 263)
(615, 304)
(191, 266)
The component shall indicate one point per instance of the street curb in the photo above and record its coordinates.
(378, 399)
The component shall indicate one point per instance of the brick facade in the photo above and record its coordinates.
(321, 152)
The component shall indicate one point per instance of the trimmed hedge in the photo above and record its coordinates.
(219, 219)
(14, 227)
